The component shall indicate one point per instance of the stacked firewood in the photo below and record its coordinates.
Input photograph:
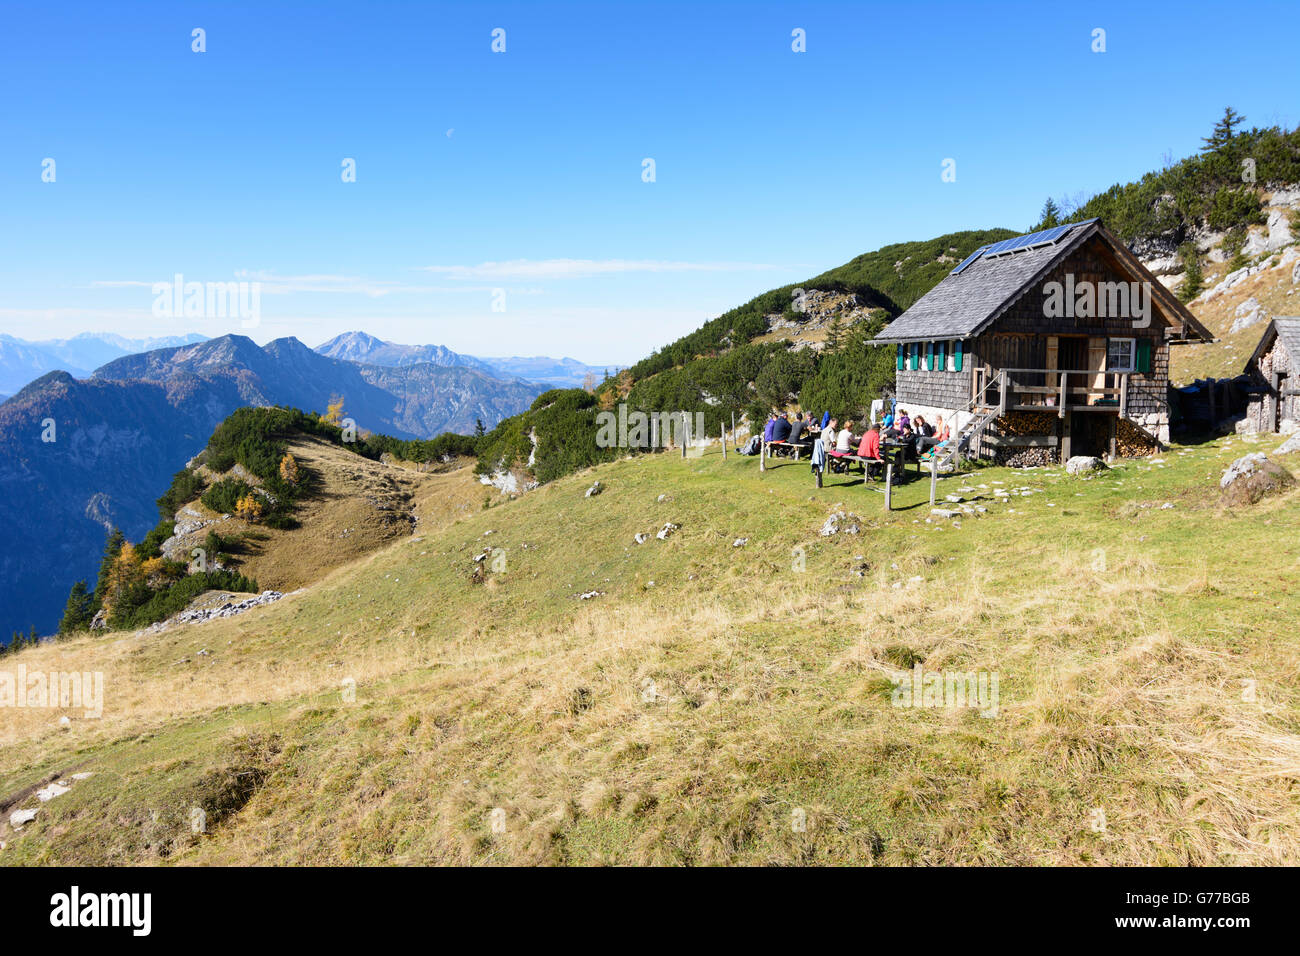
(1132, 442)
(1027, 423)
(1026, 457)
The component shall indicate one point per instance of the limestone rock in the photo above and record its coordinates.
(1251, 477)
(1084, 465)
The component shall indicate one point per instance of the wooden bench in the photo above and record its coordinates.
(797, 447)
(868, 465)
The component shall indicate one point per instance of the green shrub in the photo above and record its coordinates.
(185, 487)
(151, 546)
(1234, 207)
(225, 494)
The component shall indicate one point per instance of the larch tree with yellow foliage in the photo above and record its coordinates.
(334, 413)
(125, 571)
(289, 468)
(249, 507)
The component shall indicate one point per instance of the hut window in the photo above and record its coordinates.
(1144, 356)
(1120, 355)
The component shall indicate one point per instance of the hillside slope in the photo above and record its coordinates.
(716, 702)
(355, 507)
(121, 434)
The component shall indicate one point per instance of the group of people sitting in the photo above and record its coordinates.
(918, 436)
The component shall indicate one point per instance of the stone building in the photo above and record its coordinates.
(1274, 370)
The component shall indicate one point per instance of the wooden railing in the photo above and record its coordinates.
(1061, 390)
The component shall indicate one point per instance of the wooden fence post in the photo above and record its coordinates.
(762, 455)
(722, 427)
(889, 484)
(934, 475)
(686, 433)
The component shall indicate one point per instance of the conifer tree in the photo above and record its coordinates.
(79, 611)
(1223, 129)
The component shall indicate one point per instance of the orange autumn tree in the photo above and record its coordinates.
(125, 571)
(249, 508)
(289, 468)
(334, 413)
(158, 571)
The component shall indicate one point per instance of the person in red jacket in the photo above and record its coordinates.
(869, 447)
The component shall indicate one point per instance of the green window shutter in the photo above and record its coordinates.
(1144, 356)
(900, 358)
(956, 355)
(941, 356)
(914, 360)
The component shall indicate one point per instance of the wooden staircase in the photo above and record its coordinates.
(982, 415)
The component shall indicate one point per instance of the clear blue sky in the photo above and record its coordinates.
(523, 170)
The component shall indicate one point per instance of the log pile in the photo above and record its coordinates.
(1132, 442)
(1027, 423)
(1026, 457)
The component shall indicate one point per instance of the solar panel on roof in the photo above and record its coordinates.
(1032, 240)
(968, 260)
(1044, 237)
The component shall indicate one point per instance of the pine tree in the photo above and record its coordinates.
(1193, 278)
(1223, 129)
(479, 428)
(79, 611)
(1051, 214)
(123, 573)
(834, 334)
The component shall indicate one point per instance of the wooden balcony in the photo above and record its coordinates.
(1056, 390)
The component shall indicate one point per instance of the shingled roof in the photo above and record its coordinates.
(1284, 327)
(966, 303)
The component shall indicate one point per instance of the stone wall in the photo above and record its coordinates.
(1264, 411)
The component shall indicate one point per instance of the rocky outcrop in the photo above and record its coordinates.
(1251, 477)
(1247, 314)
(227, 608)
(815, 311)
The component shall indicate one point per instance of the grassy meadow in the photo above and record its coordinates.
(714, 703)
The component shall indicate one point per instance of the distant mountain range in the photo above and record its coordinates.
(22, 361)
(558, 373)
(120, 434)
